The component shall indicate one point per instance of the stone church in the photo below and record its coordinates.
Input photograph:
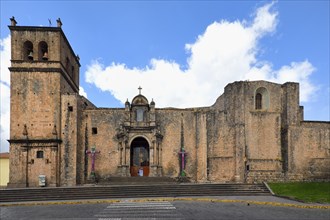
(254, 131)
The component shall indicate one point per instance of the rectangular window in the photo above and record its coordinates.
(94, 130)
(40, 154)
(139, 115)
(258, 101)
(70, 108)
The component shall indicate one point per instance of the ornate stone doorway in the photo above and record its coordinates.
(139, 164)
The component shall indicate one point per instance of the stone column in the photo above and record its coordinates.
(127, 159)
(153, 164)
(160, 160)
(159, 149)
(152, 153)
(154, 143)
(124, 153)
(120, 153)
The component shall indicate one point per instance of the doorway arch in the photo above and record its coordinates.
(139, 164)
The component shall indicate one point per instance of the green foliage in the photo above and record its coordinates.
(318, 192)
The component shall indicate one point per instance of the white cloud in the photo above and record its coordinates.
(225, 52)
(5, 59)
(5, 93)
(82, 92)
(265, 20)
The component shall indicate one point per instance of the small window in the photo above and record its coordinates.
(139, 115)
(247, 167)
(261, 99)
(70, 108)
(258, 101)
(40, 154)
(94, 130)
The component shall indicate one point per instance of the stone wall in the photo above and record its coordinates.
(309, 150)
(99, 130)
(221, 146)
(231, 141)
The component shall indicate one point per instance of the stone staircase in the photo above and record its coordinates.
(136, 181)
(131, 191)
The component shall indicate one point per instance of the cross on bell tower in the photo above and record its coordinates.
(139, 90)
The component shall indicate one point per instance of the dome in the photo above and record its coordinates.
(140, 100)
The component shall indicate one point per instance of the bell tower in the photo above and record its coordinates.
(44, 89)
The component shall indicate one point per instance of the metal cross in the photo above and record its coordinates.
(139, 90)
(93, 153)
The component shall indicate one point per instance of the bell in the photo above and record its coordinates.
(45, 56)
(30, 56)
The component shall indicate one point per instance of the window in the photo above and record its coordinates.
(28, 50)
(43, 51)
(261, 101)
(70, 108)
(139, 115)
(40, 154)
(258, 101)
(94, 130)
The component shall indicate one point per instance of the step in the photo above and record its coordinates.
(135, 181)
(117, 191)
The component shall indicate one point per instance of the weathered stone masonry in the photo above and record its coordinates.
(254, 131)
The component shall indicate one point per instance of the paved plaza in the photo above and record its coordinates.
(230, 207)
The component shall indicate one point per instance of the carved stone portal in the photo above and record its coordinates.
(139, 140)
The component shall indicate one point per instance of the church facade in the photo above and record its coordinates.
(254, 132)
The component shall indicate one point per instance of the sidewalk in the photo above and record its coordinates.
(249, 200)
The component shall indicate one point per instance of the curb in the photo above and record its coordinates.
(269, 189)
(247, 202)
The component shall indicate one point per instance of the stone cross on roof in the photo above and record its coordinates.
(139, 90)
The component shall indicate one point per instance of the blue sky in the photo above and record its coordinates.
(183, 53)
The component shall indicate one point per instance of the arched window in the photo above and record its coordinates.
(43, 51)
(28, 50)
(261, 99)
(258, 101)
